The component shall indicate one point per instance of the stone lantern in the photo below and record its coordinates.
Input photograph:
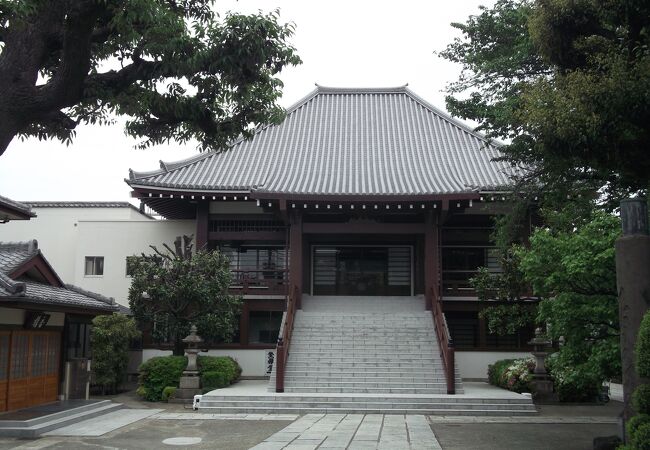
(542, 383)
(192, 350)
(190, 382)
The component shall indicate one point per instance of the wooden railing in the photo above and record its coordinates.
(284, 341)
(266, 281)
(445, 343)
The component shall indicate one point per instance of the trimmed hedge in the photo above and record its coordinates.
(159, 376)
(638, 427)
(642, 348)
(214, 380)
(222, 364)
(168, 393)
(159, 372)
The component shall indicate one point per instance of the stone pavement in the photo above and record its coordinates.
(98, 426)
(354, 431)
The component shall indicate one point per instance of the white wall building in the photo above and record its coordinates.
(88, 242)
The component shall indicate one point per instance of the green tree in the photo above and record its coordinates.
(172, 289)
(566, 83)
(174, 68)
(573, 271)
(110, 338)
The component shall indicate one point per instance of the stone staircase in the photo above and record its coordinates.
(365, 355)
(364, 345)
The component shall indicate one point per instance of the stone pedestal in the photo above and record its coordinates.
(542, 384)
(189, 386)
(543, 390)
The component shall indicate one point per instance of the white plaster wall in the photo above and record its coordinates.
(14, 316)
(474, 365)
(252, 362)
(56, 231)
(10, 316)
(115, 240)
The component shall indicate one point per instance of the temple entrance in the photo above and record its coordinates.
(362, 270)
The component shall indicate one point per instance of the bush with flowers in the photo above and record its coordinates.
(512, 374)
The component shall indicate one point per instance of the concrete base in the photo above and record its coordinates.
(543, 391)
(189, 383)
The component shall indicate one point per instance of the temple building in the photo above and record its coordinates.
(358, 194)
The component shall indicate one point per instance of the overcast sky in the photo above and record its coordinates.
(342, 44)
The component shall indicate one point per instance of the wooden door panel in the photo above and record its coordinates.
(33, 369)
(5, 340)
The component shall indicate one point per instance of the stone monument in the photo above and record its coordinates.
(542, 383)
(190, 383)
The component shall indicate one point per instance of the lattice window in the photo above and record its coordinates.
(246, 225)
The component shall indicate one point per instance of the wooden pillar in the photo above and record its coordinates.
(431, 278)
(295, 261)
(244, 324)
(202, 213)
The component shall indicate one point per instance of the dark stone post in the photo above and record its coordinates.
(295, 260)
(633, 285)
(430, 259)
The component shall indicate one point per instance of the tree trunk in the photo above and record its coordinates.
(179, 347)
(8, 129)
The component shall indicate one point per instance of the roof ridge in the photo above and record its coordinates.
(25, 208)
(361, 90)
(96, 296)
(30, 246)
(78, 202)
(449, 118)
(13, 286)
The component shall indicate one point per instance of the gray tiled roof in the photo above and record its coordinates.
(14, 254)
(12, 205)
(56, 204)
(346, 142)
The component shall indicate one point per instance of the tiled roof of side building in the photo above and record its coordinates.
(15, 254)
(76, 204)
(346, 142)
(10, 205)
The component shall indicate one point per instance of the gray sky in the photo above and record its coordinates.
(342, 44)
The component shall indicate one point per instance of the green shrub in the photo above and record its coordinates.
(158, 373)
(573, 383)
(642, 347)
(214, 380)
(640, 438)
(496, 370)
(222, 364)
(110, 338)
(141, 391)
(159, 376)
(168, 393)
(641, 399)
(512, 374)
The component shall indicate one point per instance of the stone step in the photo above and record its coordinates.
(423, 374)
(362, 345)
(366, 390)
(368, 410)
(373, 361)
(333, 378)
(379, 405)
(32, 428)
